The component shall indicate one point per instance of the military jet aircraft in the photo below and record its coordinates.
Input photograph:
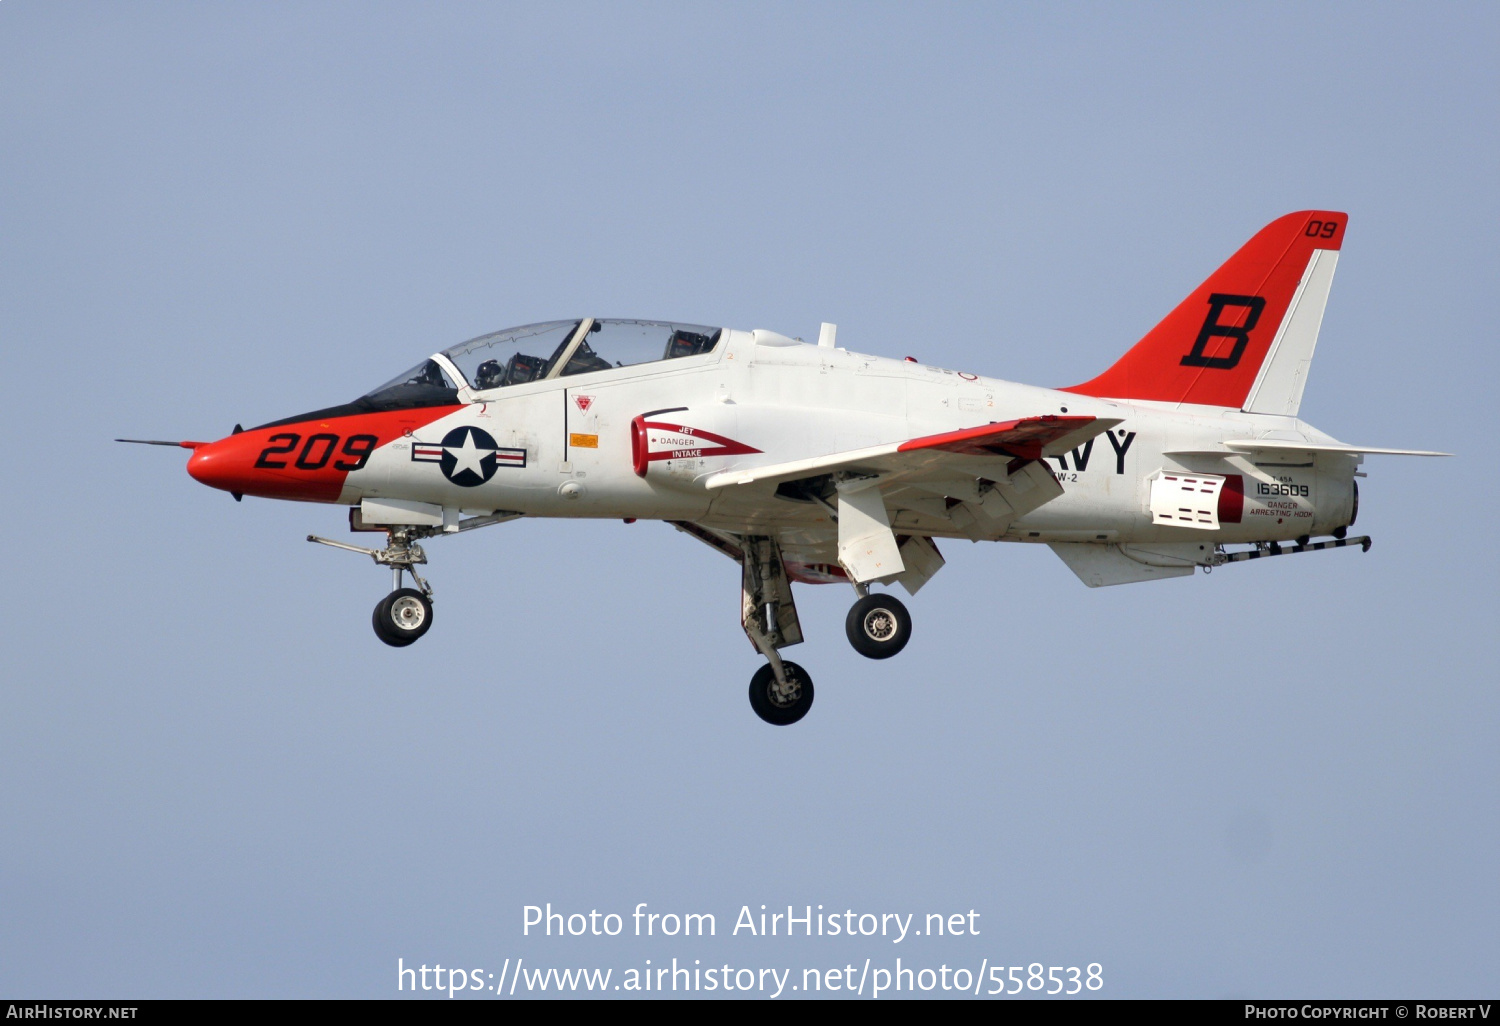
(814, 464)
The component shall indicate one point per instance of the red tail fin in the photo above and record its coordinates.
(1210, 349)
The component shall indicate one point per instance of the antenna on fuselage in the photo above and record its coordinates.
(826, 335)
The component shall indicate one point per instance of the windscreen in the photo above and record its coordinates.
(423, 385)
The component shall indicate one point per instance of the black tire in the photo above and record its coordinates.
(785, 711)
(402, 617)
(878, 626)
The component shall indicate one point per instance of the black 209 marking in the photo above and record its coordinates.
(1212, 328)
(1321, 229)
(317, 451)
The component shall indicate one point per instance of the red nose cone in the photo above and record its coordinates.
(305, 459)
(255, 463)
(218, 465)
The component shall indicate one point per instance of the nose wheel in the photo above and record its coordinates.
(878, 626)
(402, 617)
(781, 703)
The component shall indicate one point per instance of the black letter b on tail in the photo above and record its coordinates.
(1212, 329)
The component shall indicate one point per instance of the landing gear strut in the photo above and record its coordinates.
(781, 692)
(878, 626)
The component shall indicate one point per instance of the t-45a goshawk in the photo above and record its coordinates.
(814, 464)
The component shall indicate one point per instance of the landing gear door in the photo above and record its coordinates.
(766, 606)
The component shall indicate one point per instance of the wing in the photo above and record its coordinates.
(971, 451)
(973, 482)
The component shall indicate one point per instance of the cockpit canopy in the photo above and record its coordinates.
(535, 352)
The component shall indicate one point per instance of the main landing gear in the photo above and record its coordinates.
(781, 692)
(878, 626)
(781, 701)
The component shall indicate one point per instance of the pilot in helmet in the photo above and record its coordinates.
(488, 375)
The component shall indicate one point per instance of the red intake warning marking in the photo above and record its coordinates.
(654, 440)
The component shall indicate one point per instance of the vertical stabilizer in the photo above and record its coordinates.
(1245, 337)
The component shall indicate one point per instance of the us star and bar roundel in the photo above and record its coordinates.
(468, 456)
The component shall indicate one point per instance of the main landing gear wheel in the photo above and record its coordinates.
(781, 705)
(402, 617)
(878, 626)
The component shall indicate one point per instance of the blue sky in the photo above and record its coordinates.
(215, 782)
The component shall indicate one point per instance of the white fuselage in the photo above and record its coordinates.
(788, 401)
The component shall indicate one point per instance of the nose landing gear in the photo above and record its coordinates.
(405, 614)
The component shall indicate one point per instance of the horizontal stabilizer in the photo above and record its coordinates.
(1279, 446)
